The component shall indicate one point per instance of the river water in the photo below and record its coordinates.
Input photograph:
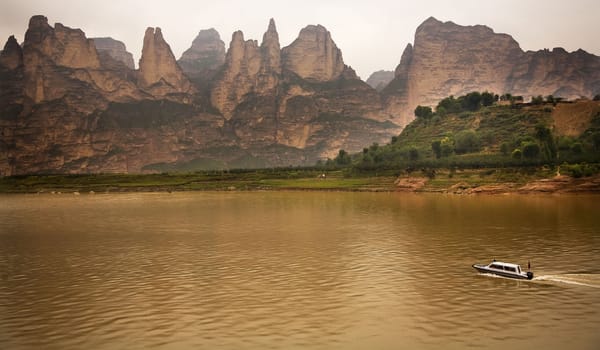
(297, 270)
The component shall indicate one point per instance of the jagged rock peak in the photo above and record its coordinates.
(158, 63)
(429, 22)
(206, 35)
(115, 49)
(314, 55)
(63, 45)
(205, 56)
(271, 50)
(451, 30)
(12, 55)
(405, 60)
(38, 22)
(271, 34)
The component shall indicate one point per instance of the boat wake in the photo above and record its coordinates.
(579, 279)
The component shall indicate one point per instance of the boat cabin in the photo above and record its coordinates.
(502, 266)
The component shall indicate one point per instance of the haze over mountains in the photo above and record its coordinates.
(70, 104)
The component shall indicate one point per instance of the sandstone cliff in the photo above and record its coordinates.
(449, 59)
(67, 106)
(248, 69)
(300, 97)
(114, 49)
(314, 55)
(159, 71)
(73, 108)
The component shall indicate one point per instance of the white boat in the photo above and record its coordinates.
(504, 269)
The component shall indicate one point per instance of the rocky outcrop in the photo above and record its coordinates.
(71, 107)
(248, 69)
(12, 55)
(449, 59)
(314, 55)
(395, 94)
(114, 49)
(267, 104)
(557, 72)
(62, 45)
(205, 57)
(159, 72)
(379, 80)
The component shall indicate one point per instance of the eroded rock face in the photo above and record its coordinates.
(204, 57)
(115, 49)
(267, 105)
(12, 55)
(64, 46)
(314, 55)
(449, 59)
(248, 69)
(80, 111)
(159, 71)
(556, 72)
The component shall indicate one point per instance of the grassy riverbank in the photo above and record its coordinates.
(502, 180)
(199, 181)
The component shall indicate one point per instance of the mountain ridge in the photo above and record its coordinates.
(69, 105)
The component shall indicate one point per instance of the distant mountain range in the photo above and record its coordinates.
(69, 104)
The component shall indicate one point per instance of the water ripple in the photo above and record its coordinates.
(277, 270)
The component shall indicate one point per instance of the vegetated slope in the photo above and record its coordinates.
(497, 135)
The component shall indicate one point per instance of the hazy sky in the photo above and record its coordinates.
(371, 33)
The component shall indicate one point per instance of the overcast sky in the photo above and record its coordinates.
(371, 33)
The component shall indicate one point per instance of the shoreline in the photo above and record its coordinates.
(462, 184)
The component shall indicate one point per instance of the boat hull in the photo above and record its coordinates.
(485, 269)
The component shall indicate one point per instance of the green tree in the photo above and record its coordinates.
(449, 105)
(596, 141)
(537, 100)
(447, 147)
(436, 147)
(423, 112)
(517, 153)
(544, 135)
(440, 111)
(488, 98)
(466, 141)
(471, 101)
(530, 150)
(413, 153)
(504, 148)
(577, 148)
(343, 158)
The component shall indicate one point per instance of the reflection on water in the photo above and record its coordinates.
(296, 270)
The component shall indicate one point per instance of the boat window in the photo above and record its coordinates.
(509, 268)
(494, 266)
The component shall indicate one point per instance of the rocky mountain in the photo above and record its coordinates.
(70, 104)
(449, 59)
(204, 58)
(114, 49)
(301, 97)
(380, 79)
